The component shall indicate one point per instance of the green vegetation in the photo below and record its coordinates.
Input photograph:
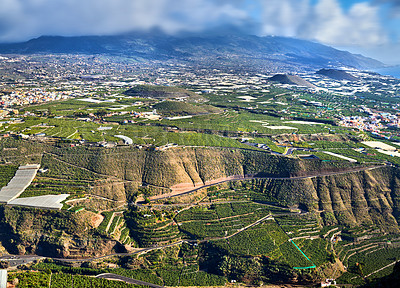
(151, 228)
(104, 224)
(7, 172)
(262, 239)
(296, 212)
(175, 108)
(219, 220)
(60, 280)
(53, 186)
(369, 261)
(32, 279)
(163, 92)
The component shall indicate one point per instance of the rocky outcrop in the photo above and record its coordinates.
(162, 170)
(353, 198)
(52, 233)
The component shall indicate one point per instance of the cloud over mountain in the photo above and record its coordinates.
(23, 19)
(325, 21)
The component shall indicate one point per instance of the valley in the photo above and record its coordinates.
(180, 175)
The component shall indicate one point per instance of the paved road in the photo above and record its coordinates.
(116, 277)
(15, 260)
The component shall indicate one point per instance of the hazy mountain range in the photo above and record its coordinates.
(237, 48)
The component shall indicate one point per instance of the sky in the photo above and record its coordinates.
(369, 27)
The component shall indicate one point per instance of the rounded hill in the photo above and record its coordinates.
(291, 80)
(337, 74)
(177, 108)
(164, 92)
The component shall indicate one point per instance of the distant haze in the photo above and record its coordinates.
(362, 25)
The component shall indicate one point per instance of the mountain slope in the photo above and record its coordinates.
(291, 80)
(231, 48)
(164, 92)
(337, 74)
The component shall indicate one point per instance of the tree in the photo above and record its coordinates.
(80, 114)
(100, 113)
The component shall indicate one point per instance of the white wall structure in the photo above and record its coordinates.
(3, 278)
(45, 201)
(127, 140)
(21, 180)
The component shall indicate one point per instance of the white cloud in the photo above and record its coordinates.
(22, 19)
(284, 17)
(325, 22)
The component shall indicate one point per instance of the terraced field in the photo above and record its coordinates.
(219, 220)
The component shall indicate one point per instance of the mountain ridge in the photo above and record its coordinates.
(198, 48)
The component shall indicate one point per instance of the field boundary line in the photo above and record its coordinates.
(376, 271)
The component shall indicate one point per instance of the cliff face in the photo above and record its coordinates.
(161, 170)
(354, 198)
(51, 233)
(358, 198)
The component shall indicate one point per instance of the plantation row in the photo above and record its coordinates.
(291, 255)
(7, 172)
(197, 214)
(103, 225)
(60, 280)
(61, 170)
(147, 239)
(239, 208)
(262, 239)
(221, 228)
(169, 275)
(139, 274)
(148, 236)
(43, 187)
(298, 226)
(316, 250)
(375, 260)
(216, 211)
(366, 262)
(116, 221)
